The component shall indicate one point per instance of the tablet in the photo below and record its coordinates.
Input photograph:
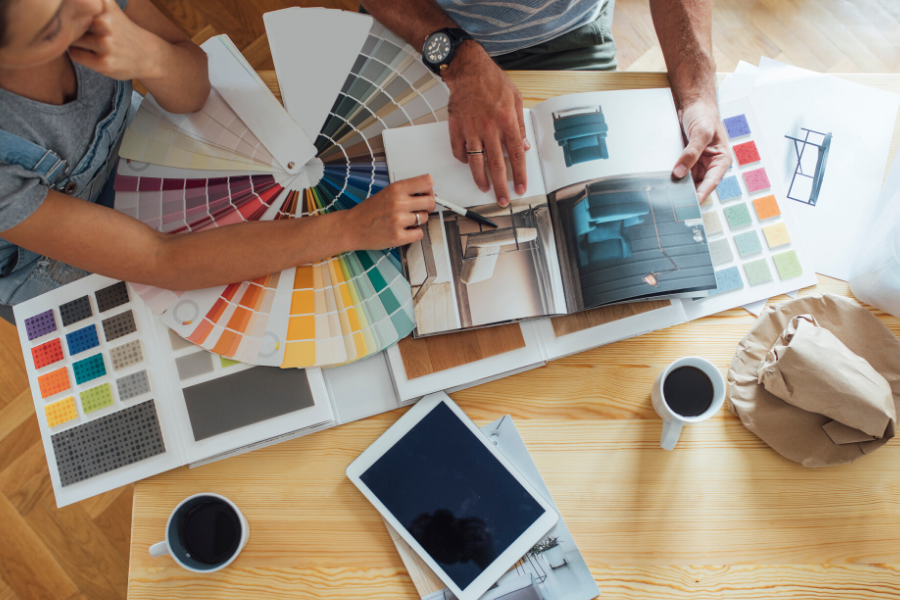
(459, 503)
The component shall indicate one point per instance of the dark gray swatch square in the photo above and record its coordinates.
(119, 326)
(192, 365)
(133, 385)
(76, 310)
(110, 297)
(113, 441)
(244, 398)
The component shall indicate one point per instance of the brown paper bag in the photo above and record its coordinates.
(810, 368)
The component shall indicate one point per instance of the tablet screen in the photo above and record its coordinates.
(452, 495)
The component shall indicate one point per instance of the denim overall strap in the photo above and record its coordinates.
(15, 150)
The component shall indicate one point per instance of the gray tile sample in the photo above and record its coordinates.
(194, 364)
(76, 310)
(133, 385)
(126, 355)
(110, 297)
(119, 326)
(244, 398)
(110, 442)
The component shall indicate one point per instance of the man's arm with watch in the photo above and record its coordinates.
(485, 106)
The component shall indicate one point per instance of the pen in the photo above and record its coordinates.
(465, 213)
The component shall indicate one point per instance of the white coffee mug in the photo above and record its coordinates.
(672, 421)
(172, 544)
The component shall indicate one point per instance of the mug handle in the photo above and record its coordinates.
(670, 433)
(159, 549)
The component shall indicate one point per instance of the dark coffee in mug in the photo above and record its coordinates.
(210, 532)
(688, 391)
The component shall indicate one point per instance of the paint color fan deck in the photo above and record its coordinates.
(244, 157)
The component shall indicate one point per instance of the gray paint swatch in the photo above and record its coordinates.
(126, 355)
(113, 441)
(178, 342)
(110, 297)
(244, 398)
(193, 365)
(119, 326)
(133, 385)
(76, 310)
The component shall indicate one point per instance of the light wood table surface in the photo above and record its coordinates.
(722, 516)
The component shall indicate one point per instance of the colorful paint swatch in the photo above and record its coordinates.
(76, 310)
(82, 339)
(720, 252)
(119, 326)
(729, 188)
(126, 355)
(89, 369)
(47, 354)
(746, 153)
(727, 280)
(61, 412)
(227, 362)
(54, 382)
(133, 385)
(737, 126)
(788, 264)
(748, 243)
(757, 180)
(738, 215)
(178, 342)
(758, 271)
(40, 325)
(115, 440)
(96, 398)
(194, 365)
(766, 207)
(712, 223)
(111, 297)
(777, 235)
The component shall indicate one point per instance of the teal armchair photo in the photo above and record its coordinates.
(582, 137)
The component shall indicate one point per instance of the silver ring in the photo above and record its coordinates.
(418, 221)
(474, 152)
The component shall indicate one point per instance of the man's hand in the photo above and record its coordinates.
(486, 114)
(707, 155)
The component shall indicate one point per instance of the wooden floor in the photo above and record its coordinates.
(80, 552)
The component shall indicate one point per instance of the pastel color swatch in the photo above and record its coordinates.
(746, 153)
(40, 325)
(738, 215)
(748, 243)
(82, 339)
(712, 223)
(89, 368)
(47, 354)
(737, 126)
(54, 382)
(729, 188)
(720, 251)
(61, 412)
(758, 271)
(757, 180)
(727, 280)
(96, 398)
(766, 207)
(777, 235)
(788, 264)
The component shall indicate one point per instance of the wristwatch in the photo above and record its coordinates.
(440, 48)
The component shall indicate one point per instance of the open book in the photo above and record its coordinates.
(602, 221)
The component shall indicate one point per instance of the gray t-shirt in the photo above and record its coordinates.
(68, 130)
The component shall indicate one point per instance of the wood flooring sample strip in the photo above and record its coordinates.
(416, 361)
(603, 315)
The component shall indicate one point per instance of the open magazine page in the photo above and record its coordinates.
(625, 229)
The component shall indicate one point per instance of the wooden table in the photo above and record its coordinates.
(722, 516)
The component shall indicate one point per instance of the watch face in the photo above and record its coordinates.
(437, 48)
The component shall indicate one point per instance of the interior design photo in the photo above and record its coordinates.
(466, 275)
(581, 133)
(630, 236)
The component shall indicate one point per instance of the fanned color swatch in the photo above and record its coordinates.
(228, 164)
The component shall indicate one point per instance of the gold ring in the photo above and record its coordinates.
(473, 152)
(418, 221)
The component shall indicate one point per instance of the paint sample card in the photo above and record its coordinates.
(47, 354)
(134, 385)
(40, 325)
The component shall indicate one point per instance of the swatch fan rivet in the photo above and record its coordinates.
(291, 165)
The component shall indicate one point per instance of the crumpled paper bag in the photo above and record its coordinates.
(793, 432)
(810, 368)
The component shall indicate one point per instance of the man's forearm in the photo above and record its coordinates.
(413, 20)
(684, 29)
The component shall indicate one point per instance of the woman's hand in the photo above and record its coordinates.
(388, 219)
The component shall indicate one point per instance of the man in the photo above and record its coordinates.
(485, 106)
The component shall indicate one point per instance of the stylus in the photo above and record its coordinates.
(465, 213)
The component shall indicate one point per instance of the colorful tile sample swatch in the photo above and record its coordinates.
(748, 243)
(96, 398)
(788, 264)
(47, 354)
(737, 126)
(746, 153)
(712, 223)
(227, 362)
(133, 385)
(82, 339)
(89, 368)
(766, 207)
(119, 326)
(122, 438)
(61, 412)
(40, 325)
(720, 251)
(76, 310)
(777, 235)
(126, 355)
(54, 382)
(727, 280)
(193, 365)
(757, 180)
(110, 297)
(758, 271)
(729, 188)
(738, 215)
